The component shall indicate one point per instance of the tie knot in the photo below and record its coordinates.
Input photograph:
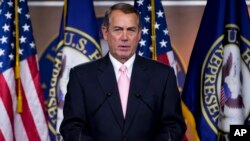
(123, 68)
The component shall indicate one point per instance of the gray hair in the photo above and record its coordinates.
(125, 8)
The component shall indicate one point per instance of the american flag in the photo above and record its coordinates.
(31, 123)
(163, 50)
(154, 26)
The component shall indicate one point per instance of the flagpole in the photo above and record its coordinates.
(154, 54)
(17, 62)
(65, 8)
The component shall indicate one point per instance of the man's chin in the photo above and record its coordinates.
(124, 55)
(124, 58)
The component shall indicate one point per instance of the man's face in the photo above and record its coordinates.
(122, 35)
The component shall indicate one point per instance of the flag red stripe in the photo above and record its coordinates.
(28, 120)
(1, 136)
(163, 58)
(6, 98)
(36, 80)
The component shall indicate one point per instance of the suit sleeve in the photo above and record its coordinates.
(172, 124)
(74, 124)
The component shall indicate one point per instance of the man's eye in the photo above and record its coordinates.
(132, 30)
(117, 29)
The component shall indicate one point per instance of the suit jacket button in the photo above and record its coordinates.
(137, 95)
(109, 94)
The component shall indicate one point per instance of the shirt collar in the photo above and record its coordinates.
(116, 64)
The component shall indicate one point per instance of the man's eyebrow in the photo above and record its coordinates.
(132, 27)
(117, 27)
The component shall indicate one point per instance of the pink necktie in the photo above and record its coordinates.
(123, 85)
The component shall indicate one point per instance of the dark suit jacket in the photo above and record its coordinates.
(93, 112)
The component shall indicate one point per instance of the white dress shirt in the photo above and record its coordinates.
(116, 64)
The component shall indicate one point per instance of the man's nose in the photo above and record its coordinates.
(124, 35)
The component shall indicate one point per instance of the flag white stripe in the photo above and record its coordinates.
(10, 81)
(172, 62)
(33, 101)
(5, 123)
(171, 59)
(20, 132)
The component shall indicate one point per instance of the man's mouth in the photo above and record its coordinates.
(123, 46)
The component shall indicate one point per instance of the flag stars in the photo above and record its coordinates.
(149, 7)
(6, 28)
(142, 42)
(1, 52)
(140, 53)
(27, 16)
(159, 14)
(22, 0)
(157, 25)
(32, 45)
(3, 39)
(8, 15)
(165, 31)
(21, 51)
(10, 3)
(12, 45)
(11, 56)
(151, 49)
(1, 64)
(163, 43)
(147, 19)
(144, 31)
(26, 27)
(140, 2)
(22, 39)
(20, 10)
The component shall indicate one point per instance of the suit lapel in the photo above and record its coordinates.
(108, 82)
(139, 81)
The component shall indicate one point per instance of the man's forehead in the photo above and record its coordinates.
(123, 27)
(119, 12)
(124, 19)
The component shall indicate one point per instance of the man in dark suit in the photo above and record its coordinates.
(147, 109)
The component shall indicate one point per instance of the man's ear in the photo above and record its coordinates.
(104, 32)
(139, 34)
